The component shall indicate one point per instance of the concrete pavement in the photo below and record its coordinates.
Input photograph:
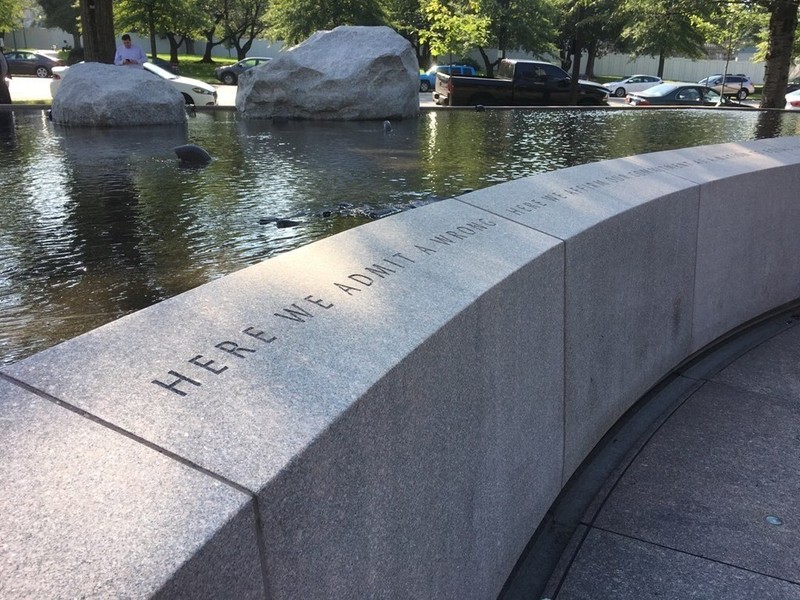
(33, 89)
(694, 494)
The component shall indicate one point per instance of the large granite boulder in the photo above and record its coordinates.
(100, 95)
(346, 74)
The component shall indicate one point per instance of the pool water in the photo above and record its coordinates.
(98, 223)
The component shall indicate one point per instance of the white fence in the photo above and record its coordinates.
(45, 39)
(677, 69)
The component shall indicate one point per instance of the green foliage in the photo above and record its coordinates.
(454, 28)
(182, 17)
(295, 20)
(405, 16)
(526, 25)
(665, 27)
(62, 14)
(732, 26)
(243, 21)
(10, 14)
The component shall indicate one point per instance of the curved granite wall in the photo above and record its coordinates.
(388, 412)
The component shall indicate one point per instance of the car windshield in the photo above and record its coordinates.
(661, 89)
(155, 69)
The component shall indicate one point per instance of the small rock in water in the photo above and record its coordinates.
(192, 154)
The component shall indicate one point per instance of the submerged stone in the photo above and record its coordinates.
(192, 154)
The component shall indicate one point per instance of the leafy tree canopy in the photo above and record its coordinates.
(295, 20)
(665, 27)
(63, 14)
(454, 28)
(10, 14)
(526, 25)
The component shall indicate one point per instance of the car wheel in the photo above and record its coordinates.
(619, 92)
(742, 95)
(229, 78)
(424, 86)
(187, 99)
(42, 72)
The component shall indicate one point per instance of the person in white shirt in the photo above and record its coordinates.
(129, 54)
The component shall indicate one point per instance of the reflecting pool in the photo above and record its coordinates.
(95, 224)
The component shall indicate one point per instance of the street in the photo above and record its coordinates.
(33, 89)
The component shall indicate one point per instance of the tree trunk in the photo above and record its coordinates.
(97, 22)
(207, 52)
(210, 43)
(662, 59)
(151, 25)
(591, 54)
(782, 25)
(577, 46)
(564, 56)
(488, 65)
(174, 45)
(576, 73)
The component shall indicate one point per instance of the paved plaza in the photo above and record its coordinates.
(694, 495)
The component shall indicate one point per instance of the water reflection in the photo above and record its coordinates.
(7, 132)
(95, 224)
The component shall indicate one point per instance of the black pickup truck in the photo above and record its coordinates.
(518, 83)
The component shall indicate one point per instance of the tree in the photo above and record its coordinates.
(215, 11)
(782, 28)
(176, 20)
(526, 25)
(294, 20)
(732, 25)
(406, 17)
(244, 23)
(10, 15)
(454, 27)
(97, 22)
(62, 14)
(665, 28)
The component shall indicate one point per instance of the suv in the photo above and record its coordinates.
(427, 80)
(734, 85)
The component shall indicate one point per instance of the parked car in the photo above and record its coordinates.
(518, 83)
(229, 74)
(793, 100)
(427, 80)
(677, 94)
(793, 84)
(24, 62)
(734, 85)
(166, 65)
(634, 83)
(194, 91)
